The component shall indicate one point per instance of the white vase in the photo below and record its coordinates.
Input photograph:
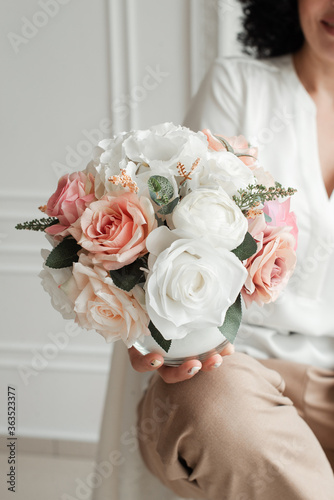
(198, 344)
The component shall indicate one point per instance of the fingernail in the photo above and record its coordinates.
(155, 363)
(194, 370)
(217, 365)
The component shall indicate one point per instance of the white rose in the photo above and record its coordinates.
(52, 279)
(190, 285)
(210, 214)
(99, 305)
(221, 169)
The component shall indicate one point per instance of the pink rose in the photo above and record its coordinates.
(238, 142)
(213, 142)
(270, 268)
(114, 229)
(99, 305)
(280, 215)
(74, 192)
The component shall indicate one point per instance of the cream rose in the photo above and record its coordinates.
(99, 305)
(190, 285)
(210, 213)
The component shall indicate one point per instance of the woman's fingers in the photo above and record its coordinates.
(172, 374)
(228, 349)
(211, 363)
(147, 363)
(169, 374)
(217, 359)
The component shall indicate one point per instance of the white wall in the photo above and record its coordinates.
(93, 68)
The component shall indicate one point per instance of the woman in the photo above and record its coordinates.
(261, 426)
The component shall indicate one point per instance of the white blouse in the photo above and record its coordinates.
(266, 102)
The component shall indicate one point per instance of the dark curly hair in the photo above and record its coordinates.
(271, 28)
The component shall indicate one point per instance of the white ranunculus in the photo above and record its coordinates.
(52, 279)
(108, 159)
(190, 285)
(163, 146)
(141, 153)
(221, 169)
(210, 214)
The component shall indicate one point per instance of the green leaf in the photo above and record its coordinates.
(154, 184)
(64, 254)
(267, 218)
(129, 276)
(161, 190)
(257, 193)
(165, 344)
(247, 248)
(38, 224)
(168, 209)
(239, 155)
(232, 321)
(225, 143)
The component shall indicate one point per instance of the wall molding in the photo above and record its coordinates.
(121, 43)
(70, 359)
(204, 38)
(20, 253)
(21, 203)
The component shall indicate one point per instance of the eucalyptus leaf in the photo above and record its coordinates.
(160, 340)
(160, 189)
(129, 276)
(168, 209)
(232, 321)
(247, 248)
(267, 218)
(64, 254)
(239, 155)
(225, 143)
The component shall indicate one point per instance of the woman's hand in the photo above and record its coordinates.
(170, 374)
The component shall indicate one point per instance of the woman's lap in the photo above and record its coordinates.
(234, 433)
(312, 391)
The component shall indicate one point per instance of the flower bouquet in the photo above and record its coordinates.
(160, 237)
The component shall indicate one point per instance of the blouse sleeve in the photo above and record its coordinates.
(218, 102)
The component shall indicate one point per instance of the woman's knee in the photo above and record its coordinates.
(227, 402)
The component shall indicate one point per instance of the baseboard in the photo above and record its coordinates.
(53, 447)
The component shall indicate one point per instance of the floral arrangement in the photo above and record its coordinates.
(163, 233)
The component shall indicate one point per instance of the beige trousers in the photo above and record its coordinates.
(248, 430)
